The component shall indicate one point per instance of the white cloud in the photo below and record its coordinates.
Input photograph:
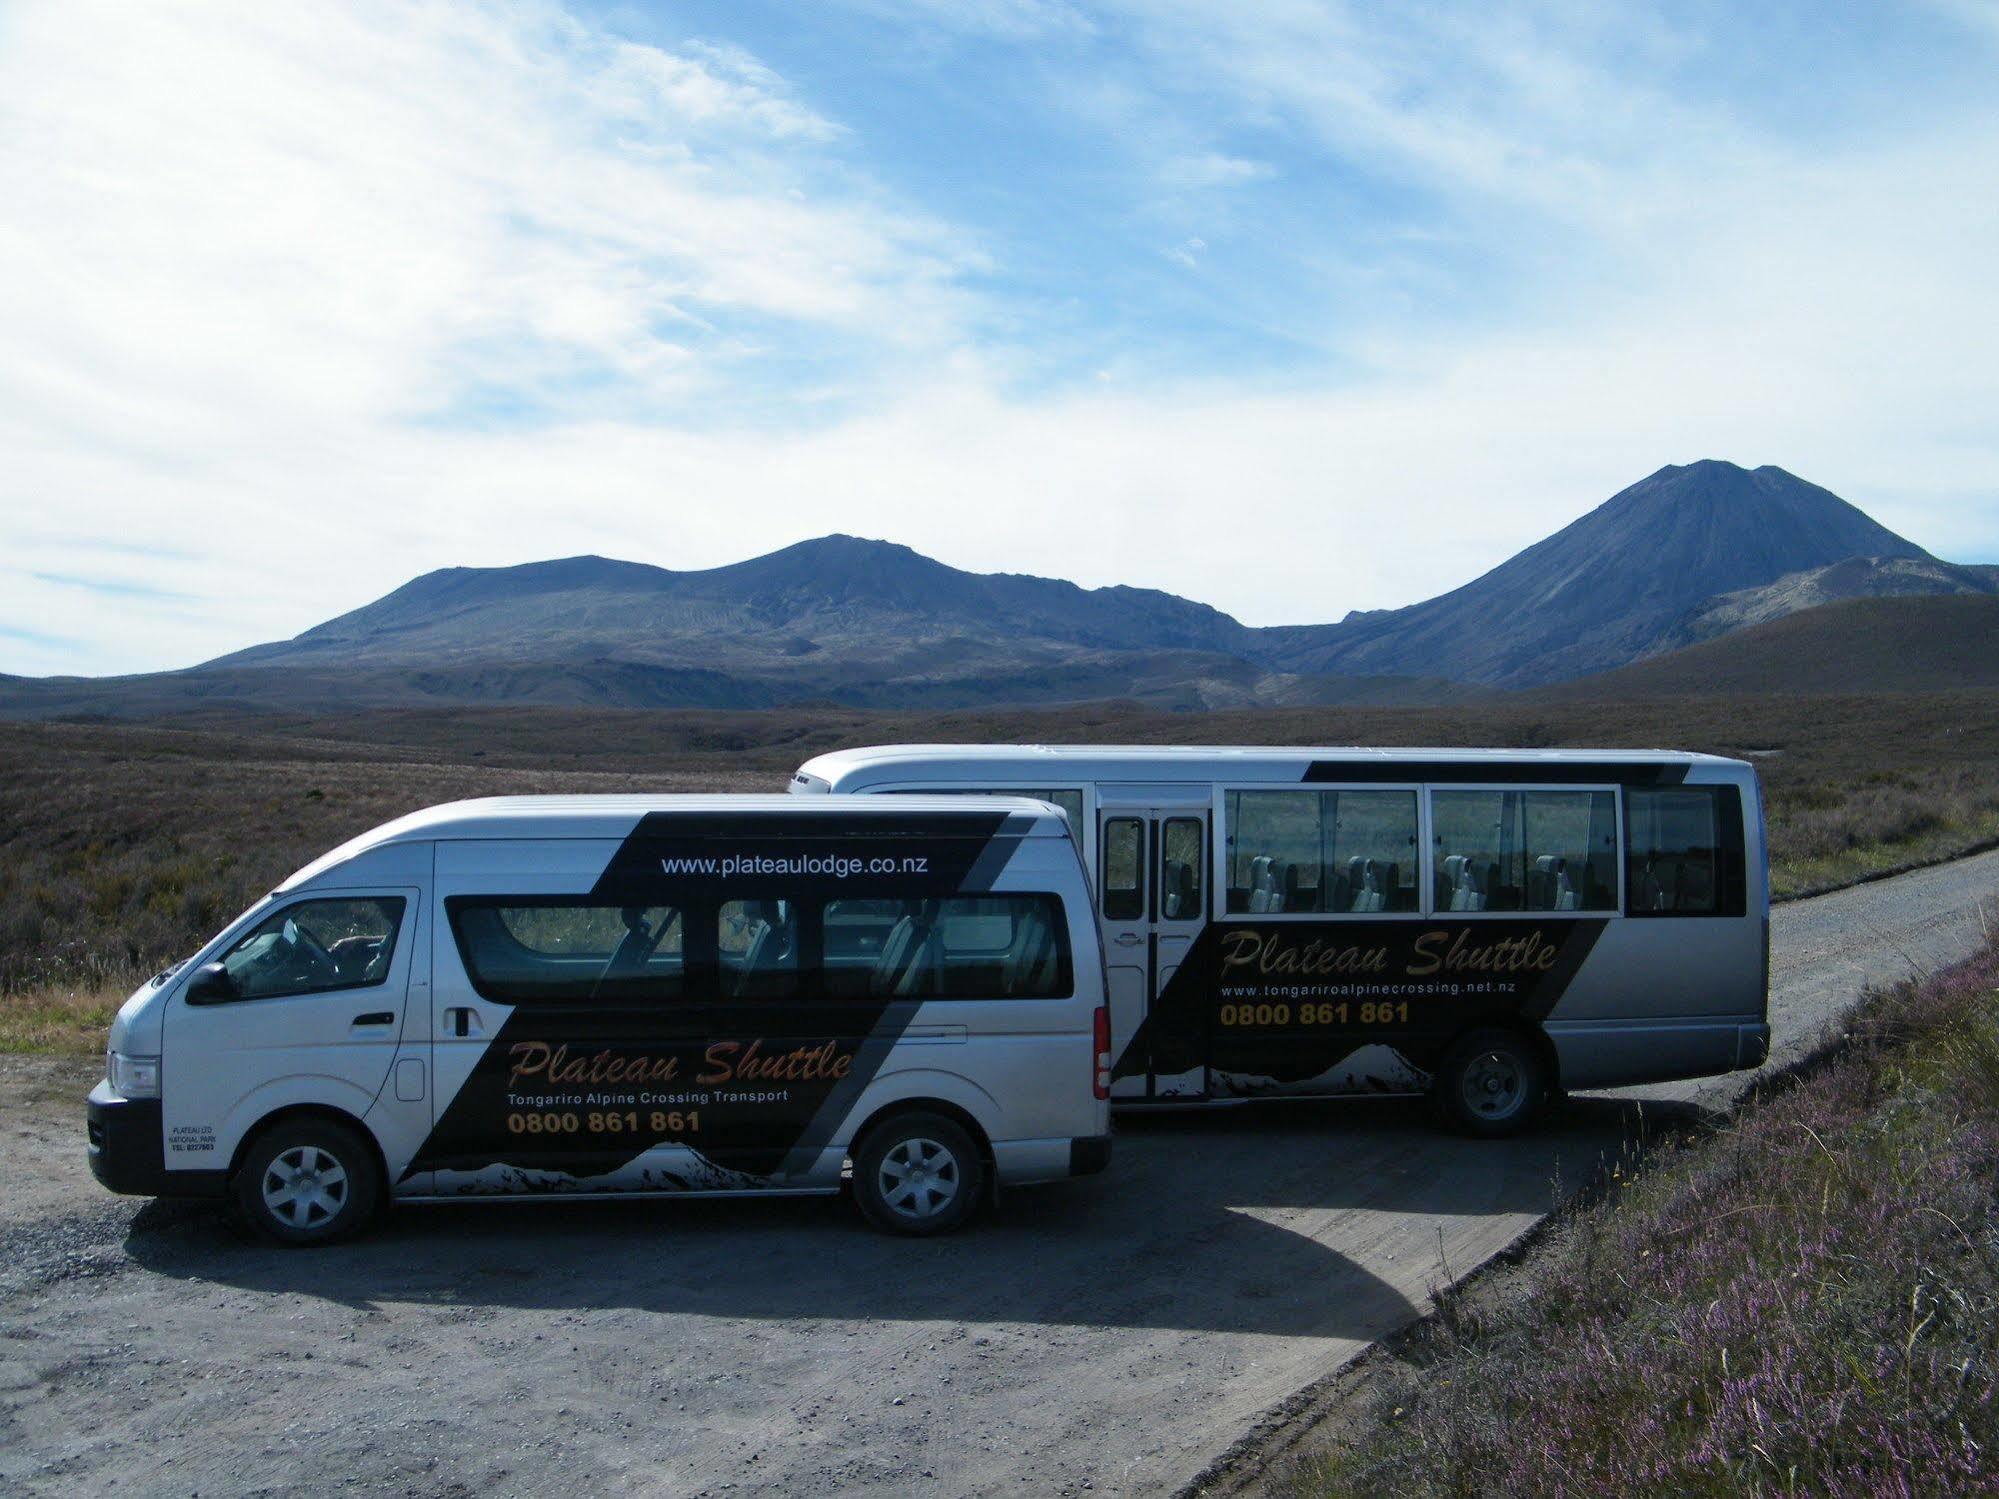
(1200, 170)
(302, 302)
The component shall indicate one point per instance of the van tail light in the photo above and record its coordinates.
(1100, 1073)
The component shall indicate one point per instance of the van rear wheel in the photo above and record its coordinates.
(1491, 1082)
(918, 1174)
(310, 1181)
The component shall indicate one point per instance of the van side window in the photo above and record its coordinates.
(966, 947)
(1525, 850)
(1329, 852)
(1683, 851)
(315, 947)
(758, 948)
(518, 952)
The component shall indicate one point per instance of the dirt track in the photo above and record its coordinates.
(1113, 1335)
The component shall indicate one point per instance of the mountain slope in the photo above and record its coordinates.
(1609, 587)
(838, 596)
(1680, 555)
(1929, 644)
(1855, 578)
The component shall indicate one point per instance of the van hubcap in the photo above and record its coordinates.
(304, 1187)
(918, 1178)
(1495, 1085)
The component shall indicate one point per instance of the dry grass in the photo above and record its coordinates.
(66, 1022)
(1824, 834)
(123, 846)
(1803, 1303)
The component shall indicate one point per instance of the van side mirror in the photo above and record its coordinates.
(211, 985)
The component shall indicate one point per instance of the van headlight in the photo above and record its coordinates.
(133, 1077)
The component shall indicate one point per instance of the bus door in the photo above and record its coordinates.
(1153, 866)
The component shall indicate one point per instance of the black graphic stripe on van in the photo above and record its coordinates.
(841, 1098)
(1292, 1000)
(1501, 772)
(856, 854)
(755, 1089)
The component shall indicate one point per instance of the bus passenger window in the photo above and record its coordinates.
(1674, 841)
(1124, 869)
(1334, 852)
(1070, 803)
(1370, 851)
(1180, 870)
(1525, 850)
(1274, 839)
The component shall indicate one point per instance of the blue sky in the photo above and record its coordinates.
(1291, 307)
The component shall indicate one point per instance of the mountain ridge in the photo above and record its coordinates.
(1702, 547)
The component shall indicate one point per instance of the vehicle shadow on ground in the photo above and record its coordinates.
(1207, 1220)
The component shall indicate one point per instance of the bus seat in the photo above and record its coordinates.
(1176, 896)
(1372, 897)
(1261, 890)
(1548, 885)
(908, 952)
(1389, 874)
(1284, 875)
(1031, 960)
(1470, 892)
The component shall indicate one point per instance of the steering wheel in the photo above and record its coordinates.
(310, 948)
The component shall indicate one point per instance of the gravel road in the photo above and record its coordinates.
(1111, 1336)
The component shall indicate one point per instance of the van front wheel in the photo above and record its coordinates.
(308, 1182)
(918, 1174)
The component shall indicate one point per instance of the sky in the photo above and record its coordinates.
(1289, 306)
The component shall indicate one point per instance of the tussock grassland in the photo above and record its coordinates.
(1801, 1303)
(1824, 834)
(123, 846)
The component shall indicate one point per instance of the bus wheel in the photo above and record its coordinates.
(1491, 1082)
(309, 1181)
(918, 1174)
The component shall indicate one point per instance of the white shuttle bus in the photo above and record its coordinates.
(1489, 926)
(584, 996)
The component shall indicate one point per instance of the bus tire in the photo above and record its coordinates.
(918, 1174)
(308, 1182)
(1492, 1082)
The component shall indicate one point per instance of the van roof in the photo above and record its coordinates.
(1196, 761)
(616, 817)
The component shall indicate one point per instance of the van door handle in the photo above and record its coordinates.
(459, 1020)
(1127, 939)
(376, 1017)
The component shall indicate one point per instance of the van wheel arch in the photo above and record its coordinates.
(958, 1116)
(293, 1112)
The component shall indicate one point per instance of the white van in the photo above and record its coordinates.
(589, 996)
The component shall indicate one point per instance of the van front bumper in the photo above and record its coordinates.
(128, 1152)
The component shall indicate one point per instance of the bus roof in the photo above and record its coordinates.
(615, 817)
(1112, 762)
